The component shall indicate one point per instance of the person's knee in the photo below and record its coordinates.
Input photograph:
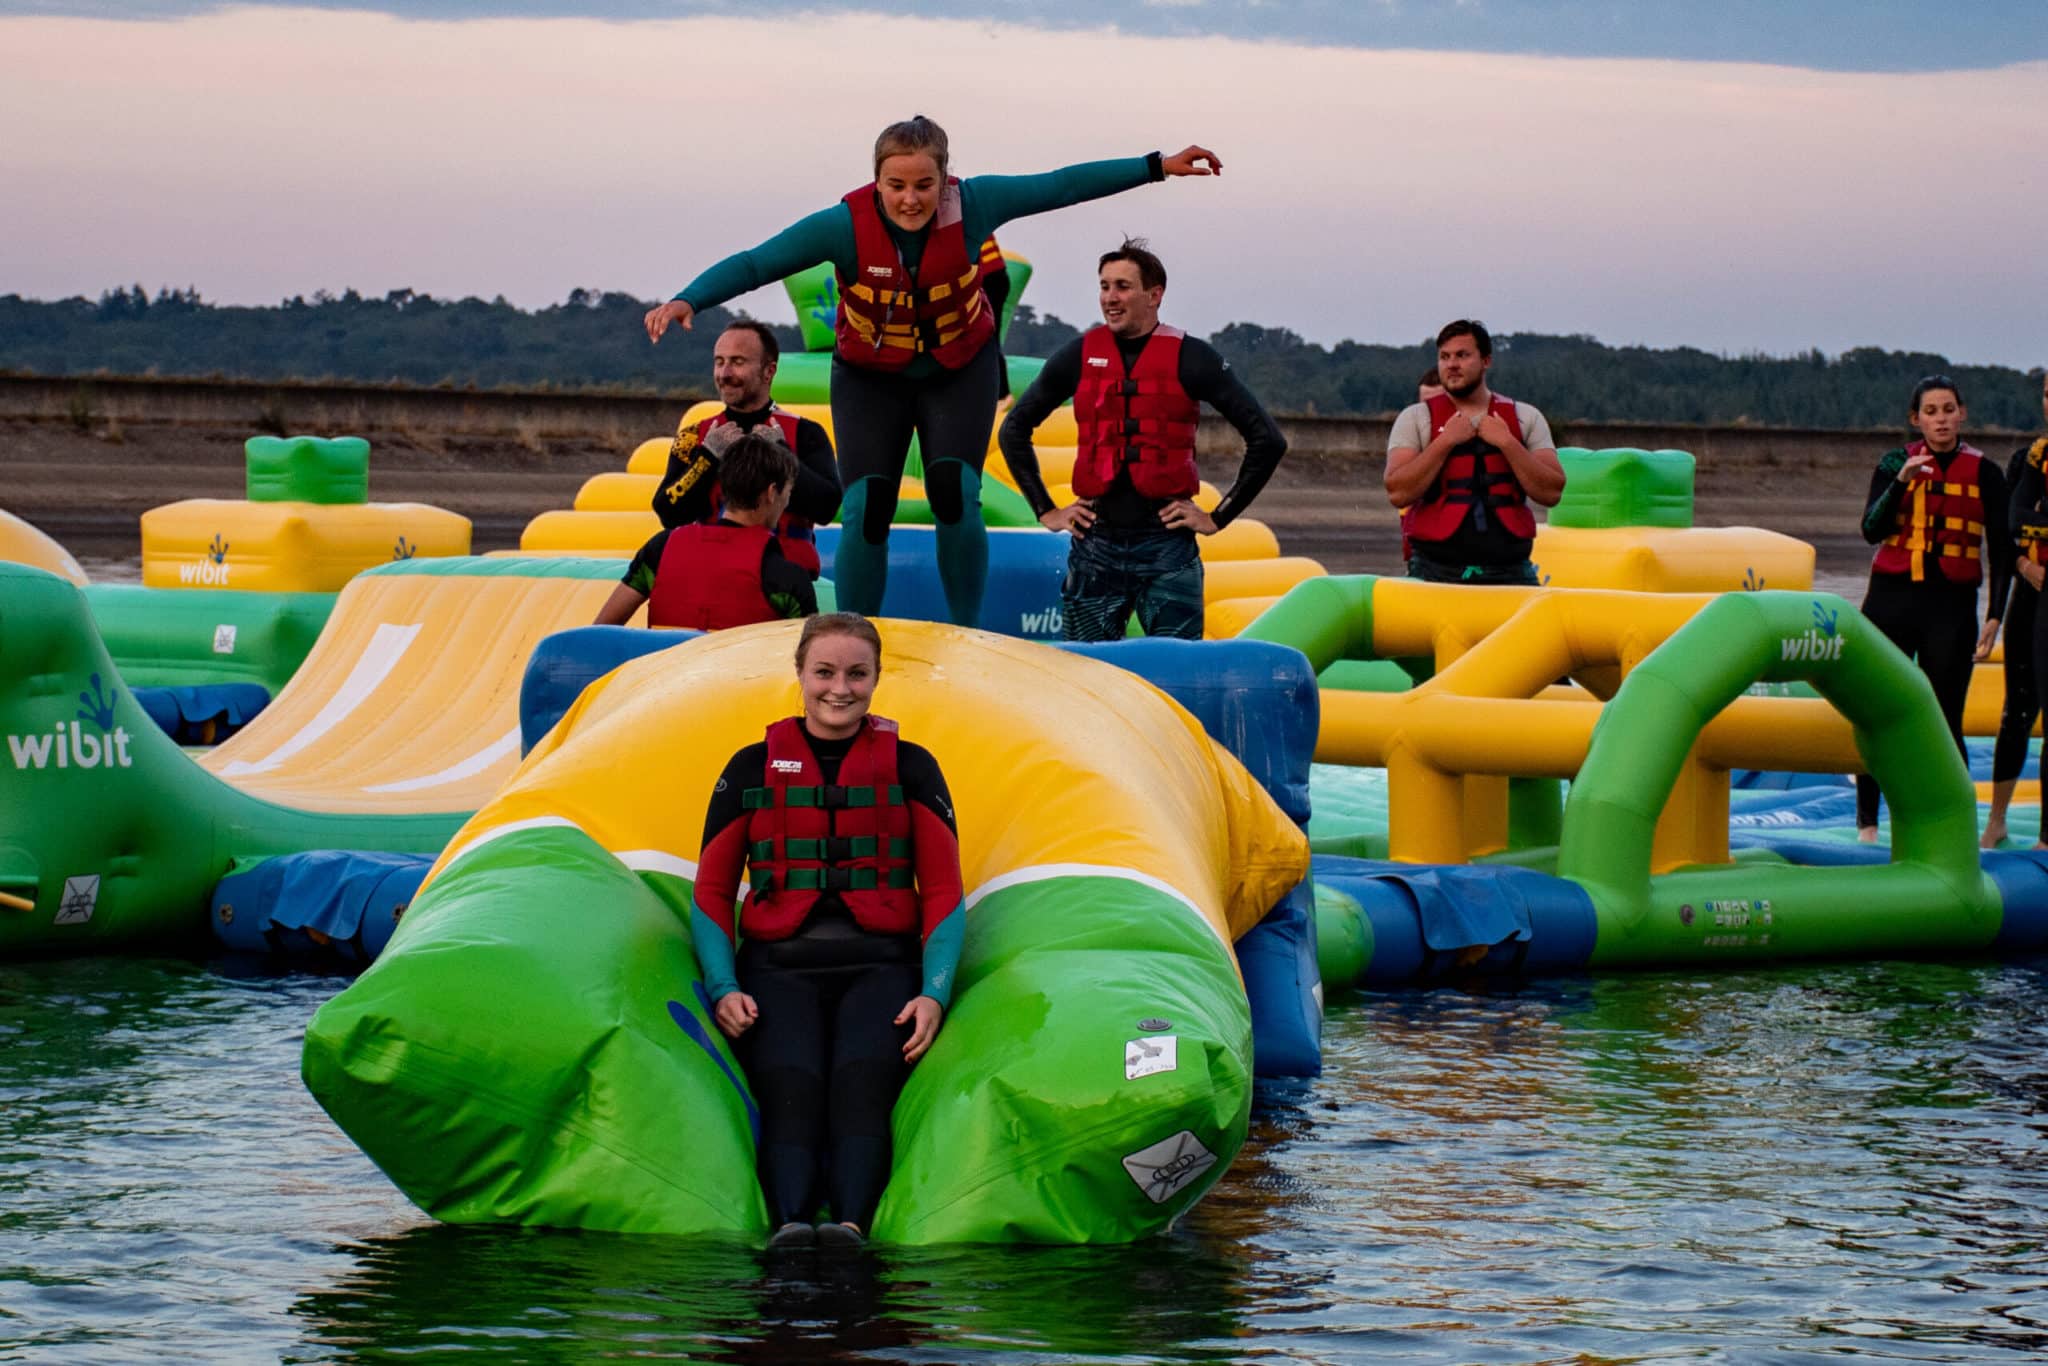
(952, 487)
(869, 504)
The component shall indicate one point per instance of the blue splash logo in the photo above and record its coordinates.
(1752, 582)
(97, 705)
(403, 550)
(1821, 641)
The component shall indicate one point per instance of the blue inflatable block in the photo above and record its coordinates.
(1809, 852)
(2022, 878)
(567, 662)
(1755, 780)
(1026, 566)
(1416, 913)
(1256, 699)
(203, 713)
(1791, 809)
(328, 903)
(1284, 987)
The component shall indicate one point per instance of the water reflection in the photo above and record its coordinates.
(547, 1297)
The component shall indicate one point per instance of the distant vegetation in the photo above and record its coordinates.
(594, 340)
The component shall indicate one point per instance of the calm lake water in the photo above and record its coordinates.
(1802, 1164)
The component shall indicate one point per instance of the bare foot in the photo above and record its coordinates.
(1994, 833)
(1867, 833)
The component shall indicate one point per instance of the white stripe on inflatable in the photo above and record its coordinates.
(656, 861)
(502, 747)
(371, 669)
(513, 828)
(1042, 872)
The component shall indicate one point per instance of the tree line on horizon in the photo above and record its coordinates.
(593, 340)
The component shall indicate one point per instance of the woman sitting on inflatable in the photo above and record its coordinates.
(850, 932)
(912, 351)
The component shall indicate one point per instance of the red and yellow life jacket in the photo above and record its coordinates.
(2031, 531)
(887, 316)
(709, 578)
(798, 535)
(992, 262)
(1142, 421)
(805, 838)
(1474, 474)
(1941, 515)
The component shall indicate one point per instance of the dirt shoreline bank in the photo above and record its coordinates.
(87, 484)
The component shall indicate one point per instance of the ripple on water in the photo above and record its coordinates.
(1817, 1162)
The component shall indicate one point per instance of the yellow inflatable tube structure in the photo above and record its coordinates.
(23, 543)
(1671, 559)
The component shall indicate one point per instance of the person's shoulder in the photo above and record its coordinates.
(655, 544)
(911, 755)
(1414, 412)
(748, 758)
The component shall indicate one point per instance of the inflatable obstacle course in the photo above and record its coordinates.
(307, 525)
(23, 543)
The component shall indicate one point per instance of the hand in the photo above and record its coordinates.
(674, 311)
(1458, 429)
(1188, 161)
(2033, 571)
(1915, 465)
(1074, 517)
(1986, 638)
(1182, 512)
(1492, 430)
(923, 1014)
(735, 1013)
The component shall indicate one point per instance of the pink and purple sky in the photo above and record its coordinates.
(1369, 193)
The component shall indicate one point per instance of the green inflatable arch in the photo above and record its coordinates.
(1933, 893)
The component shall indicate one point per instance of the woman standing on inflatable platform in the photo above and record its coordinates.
(2026, 636)
(851, 930)
(1937, 515)
(913, 348)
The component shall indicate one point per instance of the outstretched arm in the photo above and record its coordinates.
(989, 201)
(826, 235)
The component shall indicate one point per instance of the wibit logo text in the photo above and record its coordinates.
(1811, 645)
(69, 745)
(211, 571)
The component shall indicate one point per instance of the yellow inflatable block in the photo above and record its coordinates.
(1106, 771)
(1985, 702)
(1227, 618)
(1261, 578)
(409, 701)
(1243, 539)
(617, 492)
(1058, 429)
(651, 456)
(288, 547)
(599, 533)
(22, 543)
(1671, 559)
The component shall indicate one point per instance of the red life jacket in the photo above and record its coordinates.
(710, 578)
(992, 262)
(1941, 514)
(1473, 474)
(805, 838)
(1144, 421)
(799, 535)
(887, 316)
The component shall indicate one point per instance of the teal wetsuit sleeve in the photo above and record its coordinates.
(1880, 514)
(714, 956)
(942, 955)
(826, 235)
(989, 201)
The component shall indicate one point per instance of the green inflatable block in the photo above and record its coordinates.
(308, 469)
(1624, 487)
(172, 637)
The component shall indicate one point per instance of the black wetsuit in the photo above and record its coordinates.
(825, 1058)
(2025, 645)
(815, 498)
(1934, 620)
(2022, 692)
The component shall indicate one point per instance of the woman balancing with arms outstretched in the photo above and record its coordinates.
(842, 833)
(913, 351)
(1937, 515)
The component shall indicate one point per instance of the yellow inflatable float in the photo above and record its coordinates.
(307, 525)
(23, 543)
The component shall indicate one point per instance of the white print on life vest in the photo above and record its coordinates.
(81, 894)
(1144, 1057)
(1167, 1167)
(1102, 361)
(787, 765)
(224, 638)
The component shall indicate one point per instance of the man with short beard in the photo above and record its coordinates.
(743, 368)
(1464, 467)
